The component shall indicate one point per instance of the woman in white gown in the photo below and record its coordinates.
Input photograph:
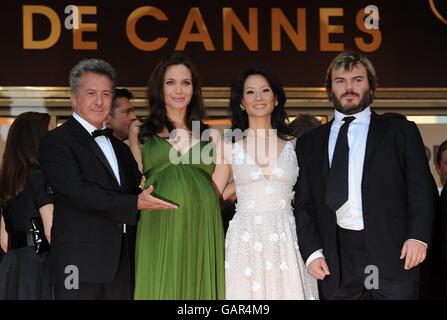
(262, 259)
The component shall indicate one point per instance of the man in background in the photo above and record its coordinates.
(122, 114)
(303, 124)
(441, 163)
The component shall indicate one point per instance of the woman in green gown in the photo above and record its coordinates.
(179, 252)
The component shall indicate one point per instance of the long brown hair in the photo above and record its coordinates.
(158, 119)
(21, 153)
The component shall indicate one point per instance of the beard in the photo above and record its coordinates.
(364, 102)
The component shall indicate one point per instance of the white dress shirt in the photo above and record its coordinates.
(350, 215)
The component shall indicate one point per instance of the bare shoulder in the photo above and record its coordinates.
(292, 139)
(227, 148)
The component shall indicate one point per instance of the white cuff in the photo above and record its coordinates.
(313, 256)
(426, 245)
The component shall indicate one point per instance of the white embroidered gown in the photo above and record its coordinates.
(262, 259)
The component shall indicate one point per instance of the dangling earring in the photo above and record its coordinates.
(276, 103)
(242, 107)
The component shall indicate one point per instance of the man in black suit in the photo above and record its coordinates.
(440, 229)
(95, 183)
(365, 197)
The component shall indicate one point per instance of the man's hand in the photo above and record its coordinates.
(146, 201)
(318, 269)
(414, 253)
(134, 130)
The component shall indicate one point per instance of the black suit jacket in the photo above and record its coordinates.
(443, 228)
(398, 197)
(433, 274)
(90, 206)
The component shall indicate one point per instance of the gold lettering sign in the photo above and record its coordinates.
(250, 36)
(132, 33)
(280, 22)
(78, 43)
(195, 30)
(194, 18)
(326, 29)
(436, 12)
(55, 30)
(375, 33)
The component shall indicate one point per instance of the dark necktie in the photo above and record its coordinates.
(107, 132)
(337, 190)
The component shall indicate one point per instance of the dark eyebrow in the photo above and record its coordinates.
(262, 87)
(186, 79)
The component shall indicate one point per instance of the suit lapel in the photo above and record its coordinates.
(325, 163)
(84, 138)
(326, 132)
(121, 165)
(376, 132)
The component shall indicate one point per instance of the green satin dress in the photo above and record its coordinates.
(180, 252)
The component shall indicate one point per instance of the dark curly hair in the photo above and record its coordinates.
(158, 119)
(239, 118)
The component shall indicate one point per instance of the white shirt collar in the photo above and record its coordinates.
(87, 126)
(362, 117)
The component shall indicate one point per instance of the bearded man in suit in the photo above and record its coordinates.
(365, 197)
